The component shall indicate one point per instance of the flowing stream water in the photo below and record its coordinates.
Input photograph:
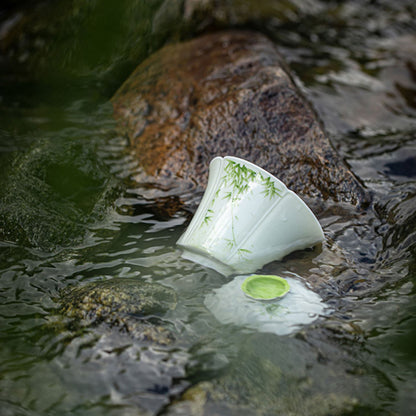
(74, 214)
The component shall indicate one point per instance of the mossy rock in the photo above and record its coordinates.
(128, 305)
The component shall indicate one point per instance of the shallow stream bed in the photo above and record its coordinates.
(74, 215)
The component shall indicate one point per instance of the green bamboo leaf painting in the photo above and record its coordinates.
(236, 183)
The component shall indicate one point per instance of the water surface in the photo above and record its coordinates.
(68, 186)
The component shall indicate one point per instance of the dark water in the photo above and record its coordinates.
(72, 213)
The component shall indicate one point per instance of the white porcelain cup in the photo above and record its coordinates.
(246, 219)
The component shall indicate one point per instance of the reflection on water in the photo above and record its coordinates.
(66, 179)
(300, 307)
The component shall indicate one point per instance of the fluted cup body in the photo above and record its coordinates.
(246, 219)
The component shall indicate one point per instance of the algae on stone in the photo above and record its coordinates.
(128, 305)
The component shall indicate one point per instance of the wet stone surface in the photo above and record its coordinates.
(130, 306)
(117, 334)
(227, 94)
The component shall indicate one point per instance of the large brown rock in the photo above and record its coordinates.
(222, 94)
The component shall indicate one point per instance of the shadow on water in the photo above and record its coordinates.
(71, 214)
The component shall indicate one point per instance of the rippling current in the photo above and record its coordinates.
(355, 62)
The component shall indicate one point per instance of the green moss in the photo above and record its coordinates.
(128, 305)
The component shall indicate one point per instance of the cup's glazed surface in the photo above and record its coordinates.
(247, 218)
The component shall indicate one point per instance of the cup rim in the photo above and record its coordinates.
(246, 289)
(256, 168)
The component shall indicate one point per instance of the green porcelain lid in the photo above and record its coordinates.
(265, 287)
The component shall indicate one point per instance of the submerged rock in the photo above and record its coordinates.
(129, 305)
(207, 398)
(52, 192)
(120, 342)
(227, 94)
(283, 376)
